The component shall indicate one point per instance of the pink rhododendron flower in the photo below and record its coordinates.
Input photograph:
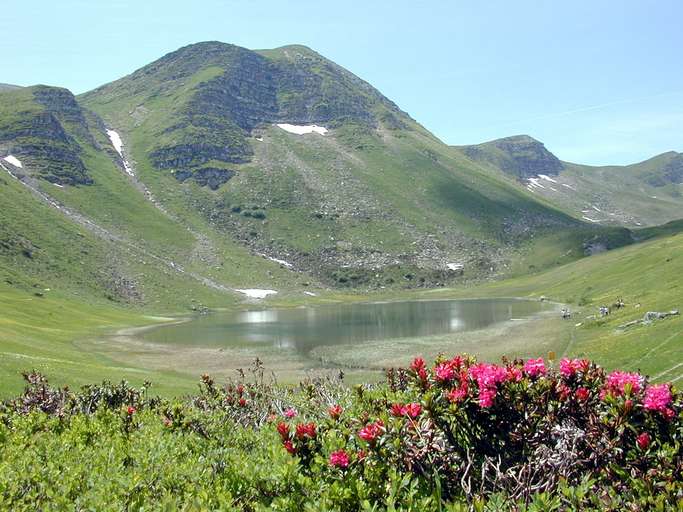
(486, 397)
(643, 441)
(335, 411)
(290, 413)
(305, 430)
(371, 431)
(514, 374)
(618, 382)
(563, 391)
(582, 394)
(339, 459)
(535, 367)
(398, 410)
(283, 430)
(289, 447)
(569, 367)
(657, 397)
(417, 363)
(444, 372)
(457, 394)
(413, 410)
(488, 375)
(131, 410)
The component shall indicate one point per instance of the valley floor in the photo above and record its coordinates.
(72, 342)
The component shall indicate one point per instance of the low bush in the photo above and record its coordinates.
(454, 435)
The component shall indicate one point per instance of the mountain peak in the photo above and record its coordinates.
(520, 156)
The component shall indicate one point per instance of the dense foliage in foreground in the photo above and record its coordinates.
(455, 435)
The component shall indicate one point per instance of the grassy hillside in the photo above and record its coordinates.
(648, 193)
(377, 201)
(648, 278)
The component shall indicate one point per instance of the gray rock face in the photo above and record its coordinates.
(47, 139)
(245, 89)
(671, 173)
(520, 156)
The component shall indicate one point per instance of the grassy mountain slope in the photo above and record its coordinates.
(643, 194)
(648, 276)
(377, 201)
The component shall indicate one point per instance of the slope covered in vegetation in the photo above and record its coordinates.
(454, 435)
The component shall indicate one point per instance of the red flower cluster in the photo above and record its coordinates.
(643, 441)
(419, 367)
(619, 383)
(305, 430)
(339, 459)
(535, 367)
(131, 410)
(411, 410)
(335, 411)
(570, 367)
(488, 376)
(658, 398)
(371, 431)
(290, 413)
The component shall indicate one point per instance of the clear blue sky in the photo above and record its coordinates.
(599, 82)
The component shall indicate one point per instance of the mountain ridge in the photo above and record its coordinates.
(192, 148)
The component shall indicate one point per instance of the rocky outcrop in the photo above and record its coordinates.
(45, 130)
(520, 156)
(670, 173)
(243, 90)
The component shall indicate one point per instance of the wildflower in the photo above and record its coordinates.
(243, 402)
(444, 372)
(628, 405)
(417, 364)
(582, 394)
(488, 375)
(167, 422)
(289, 447)
(643, 441)
(339, 459)
(486, 397)
(657, 397)
(422, 374)
(335, 411)
(283, 430)
(619, 383)
(305, 430)
(514, 374)
(290, 413)
(535, 367)
(240, 389)
(398, 410)
(371, 431)
(131, 410)
(413, 410)
(569, 367)
(563, 391)
(457, 394)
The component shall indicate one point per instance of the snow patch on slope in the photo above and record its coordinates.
(116, 141)
(11, 159)
(535, 182)
(546, 178)
(303, 129)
